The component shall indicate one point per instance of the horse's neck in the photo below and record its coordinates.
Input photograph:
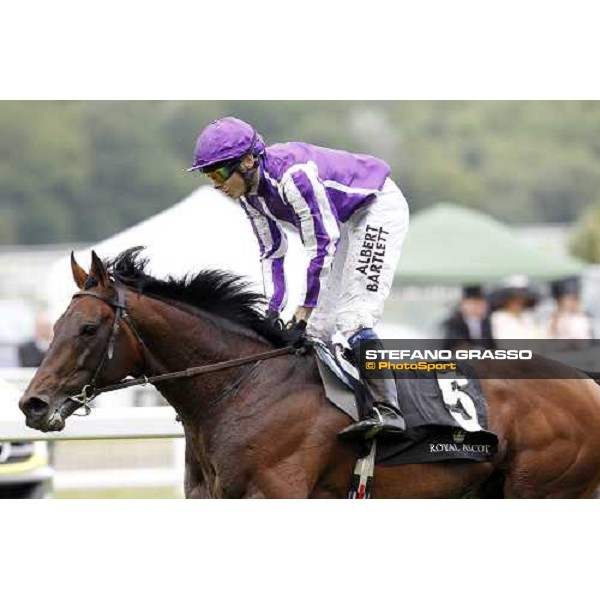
(228, 427)
(176, 339)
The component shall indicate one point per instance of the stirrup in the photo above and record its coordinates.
(369, 428)
(365, 429)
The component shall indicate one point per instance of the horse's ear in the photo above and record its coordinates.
(98, 271)
(79, 275)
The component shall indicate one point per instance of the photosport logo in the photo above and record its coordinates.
(515, 359)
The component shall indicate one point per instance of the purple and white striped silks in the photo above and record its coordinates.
(316, 190)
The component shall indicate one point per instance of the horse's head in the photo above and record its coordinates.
(87, 349)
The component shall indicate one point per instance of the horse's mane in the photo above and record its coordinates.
(215, 291)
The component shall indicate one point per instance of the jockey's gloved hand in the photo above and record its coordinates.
(275, 320)
(296, 325)
(297, 330)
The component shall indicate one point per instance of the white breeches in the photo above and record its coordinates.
(363, 267)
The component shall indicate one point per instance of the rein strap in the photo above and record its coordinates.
(192, 371)
(89, 391)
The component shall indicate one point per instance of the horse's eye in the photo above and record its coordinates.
(89, 329)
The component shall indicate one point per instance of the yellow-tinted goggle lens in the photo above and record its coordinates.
(221, 175)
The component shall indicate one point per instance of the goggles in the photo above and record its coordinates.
(221, 174)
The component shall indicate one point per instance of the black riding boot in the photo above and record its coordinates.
(386, 418)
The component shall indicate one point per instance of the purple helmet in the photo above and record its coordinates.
(225, 140)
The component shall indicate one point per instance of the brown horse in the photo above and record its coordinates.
(266, 429)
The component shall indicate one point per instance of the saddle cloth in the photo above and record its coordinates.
(445, 413)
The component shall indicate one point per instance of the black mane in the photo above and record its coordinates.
(214, 291)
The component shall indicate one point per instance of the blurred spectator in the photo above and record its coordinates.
(512, 318)
(8, 357)
(568, 322)
(32, 353)
(469, 326)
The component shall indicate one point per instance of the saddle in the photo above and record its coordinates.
(445, 412)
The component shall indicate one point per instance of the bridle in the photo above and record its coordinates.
(90, 391)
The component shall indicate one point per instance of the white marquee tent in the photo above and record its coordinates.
(205, 230)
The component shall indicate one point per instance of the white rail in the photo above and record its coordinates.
(102, 423)
(118, 419)
(119, 478)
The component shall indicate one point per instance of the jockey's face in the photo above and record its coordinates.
(235, 186)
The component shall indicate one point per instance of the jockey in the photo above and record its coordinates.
(352, 220)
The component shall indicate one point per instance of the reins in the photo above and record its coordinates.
(89, 391)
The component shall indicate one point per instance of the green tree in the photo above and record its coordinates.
(585, 241)
(41, 171)
(85, 170)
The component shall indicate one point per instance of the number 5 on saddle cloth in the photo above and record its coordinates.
(445, 412)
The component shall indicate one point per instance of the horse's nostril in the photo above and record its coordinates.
(35, 406)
